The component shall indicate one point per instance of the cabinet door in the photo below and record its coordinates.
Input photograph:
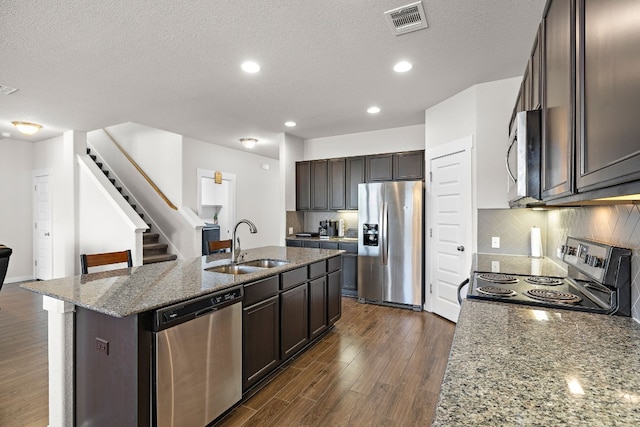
(354, 176)
(329, 245)
(311, 243)
(408, 165)
(294, 243)
(319, 189)
(379, 167)
(609, 89)
(558, 100)
(261, 340)
(535, 74)
(350, 274)
(334, 297)
(526, 87)
(303, 186)
(336, 184)
(317, 306)
(294, 315)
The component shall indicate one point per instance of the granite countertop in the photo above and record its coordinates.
(516, 264)
(512, 365)
(128, 291)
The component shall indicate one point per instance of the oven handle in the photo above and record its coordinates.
(460, 286)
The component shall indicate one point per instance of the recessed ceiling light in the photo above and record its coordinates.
(402, 67)
(373, 110)
(250, 67)
(290, 124)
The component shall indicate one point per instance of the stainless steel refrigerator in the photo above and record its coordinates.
(391, 242)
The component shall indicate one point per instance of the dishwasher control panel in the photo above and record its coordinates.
(182, 312)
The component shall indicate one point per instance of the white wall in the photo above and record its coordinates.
(451, 120)
(157, 152)
(258, 191)
(390, 140)
(16, 192)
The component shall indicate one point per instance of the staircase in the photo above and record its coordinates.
(152, 250)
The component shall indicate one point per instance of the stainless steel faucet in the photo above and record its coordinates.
(235, 247)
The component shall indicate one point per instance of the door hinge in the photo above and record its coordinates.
(430, 288)
(36, 262)
(431, 232)
(35, 188)
(35, 225)
(430, 176)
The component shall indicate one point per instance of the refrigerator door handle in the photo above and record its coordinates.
(384, 234)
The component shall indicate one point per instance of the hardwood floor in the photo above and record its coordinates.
(378, 366)
(24, 393)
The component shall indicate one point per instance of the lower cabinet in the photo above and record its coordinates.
(294, 315)
(334, 295)
(261, 340)
(317, 306)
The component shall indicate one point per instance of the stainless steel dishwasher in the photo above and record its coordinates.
(198, 359)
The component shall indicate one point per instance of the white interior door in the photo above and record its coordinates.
(42, 232)
(450, 240)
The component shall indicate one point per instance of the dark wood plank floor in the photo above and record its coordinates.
(378, 366)
(24, 392)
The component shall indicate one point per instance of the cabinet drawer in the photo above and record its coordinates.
(351, 248)
(292, 278)
(334, 264)
(260, 290)
(317, 269)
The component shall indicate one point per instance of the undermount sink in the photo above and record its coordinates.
(234, 269)
(265, 263)
(247, 267)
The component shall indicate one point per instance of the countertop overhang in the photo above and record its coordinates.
(129, 291)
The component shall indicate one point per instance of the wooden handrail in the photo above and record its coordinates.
(137, 166)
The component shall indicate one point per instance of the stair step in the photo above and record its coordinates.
(154, 249)
(106, 172)
(98, 163)
(125, 197)
(120, 190)
(88, 150)
(148, 238)
(113, 181)
(141, 215)
(93, 157)
(133, 206)
(158, 258)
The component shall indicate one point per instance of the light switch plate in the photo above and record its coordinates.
(290, 230)
(495, 242)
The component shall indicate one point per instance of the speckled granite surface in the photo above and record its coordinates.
(129, 291)
(516, 366)
(517, 264)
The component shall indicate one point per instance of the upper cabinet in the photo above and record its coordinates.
(332, 184)
(609, 93)
(558, 65)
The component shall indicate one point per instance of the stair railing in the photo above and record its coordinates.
(139, 169)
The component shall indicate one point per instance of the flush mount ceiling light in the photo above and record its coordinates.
(402, 67)
(248, 142)
(290, 124)
(27, 128)
(250, 67)
(373, 110)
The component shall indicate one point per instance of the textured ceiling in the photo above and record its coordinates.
(175, 65)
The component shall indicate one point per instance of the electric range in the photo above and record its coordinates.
(598, 281)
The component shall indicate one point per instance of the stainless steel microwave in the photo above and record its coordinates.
(524, 164)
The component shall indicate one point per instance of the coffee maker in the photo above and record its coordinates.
(328, 229)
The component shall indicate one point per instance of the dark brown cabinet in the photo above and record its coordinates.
(379, 167)
(319, 189)
(303, 186)
(334, 297)
(349, 276)
(317, 306)
(409, 165)
(261, 340)
(294, 312)
(355, 167)
(534, 73)
(336, 180)
(558, 66)
(609, 94)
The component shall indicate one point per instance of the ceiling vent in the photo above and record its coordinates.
(6, 90)
(407, 18)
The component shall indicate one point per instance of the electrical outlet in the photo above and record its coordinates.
(102, 346)
(290, 230)
(495, 242)
(495, 266)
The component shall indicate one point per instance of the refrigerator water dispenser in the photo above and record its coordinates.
(370, 234)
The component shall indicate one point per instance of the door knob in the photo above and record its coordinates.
(46, 234)
(460, 248)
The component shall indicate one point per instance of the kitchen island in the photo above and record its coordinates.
(100, 324)
(513, 365)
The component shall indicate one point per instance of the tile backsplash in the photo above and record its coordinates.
(617, 225)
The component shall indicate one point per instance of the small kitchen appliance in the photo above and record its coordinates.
(598, 281)
(328, 228)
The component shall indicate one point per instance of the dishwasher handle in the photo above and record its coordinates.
(176, 314)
